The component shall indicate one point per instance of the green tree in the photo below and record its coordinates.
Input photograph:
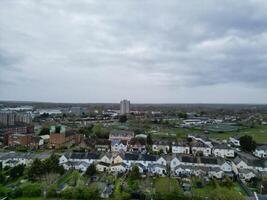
(44, 131)
(134, 173)
(2, 178)
(123, 118)
(91, 170)
(16, 171)
(36, 170)
(149, 139)
(247, 143)
(58, 129)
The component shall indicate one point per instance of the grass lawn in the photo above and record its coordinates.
(239, 189)
(259, 134)
(69, 176)
(30, 198)
(166, 184)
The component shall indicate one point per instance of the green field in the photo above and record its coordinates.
(166, 185)
(259, 134)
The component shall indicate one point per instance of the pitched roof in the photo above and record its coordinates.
(131, 156)
(147, 157)
(208, 160)
(189, 159)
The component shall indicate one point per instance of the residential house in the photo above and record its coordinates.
(159, 145)
(199, 147)
(162, 160)
(106, 158)
(118, 167)
(234, 141)
(146, 159)
(119, 146)
(131, 159)
(181, 148)
(174, 163)
(102, 167)
(246, 174)
(157, 169)
(222, 150)
(261, 151)
(118, 159)
(200, 138)
(121, 135)
(137, 144)
(215, 172)
(240, 164)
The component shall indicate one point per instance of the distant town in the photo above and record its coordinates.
(133, 151)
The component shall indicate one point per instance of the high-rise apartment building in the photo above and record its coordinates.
(7, 118)
(124, 107)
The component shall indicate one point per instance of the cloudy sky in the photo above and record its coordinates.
(149, 51)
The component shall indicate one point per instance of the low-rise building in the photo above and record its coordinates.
(222, 150)
(159, 145)
(65, 139)
(119, 146)
(181, 148)
(261, 151)
(199, 147)
(121, 135)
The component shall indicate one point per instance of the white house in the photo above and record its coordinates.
(182, 148)
(82, 166)
(118, 158)
(183, 170)
(201, 139)
(157, 169)
(161, 146)
(235, 141)
(119, 146)
(246, 174)
(174, 163)
(215, 172)
(161, 161)
(226, 166)
(240, 164)
(63, 159)
(146, 159)
(222, 150)
(106, 158)
(119, 167)
(130, 158)
(102, 167)
(200, 147)
(261, 151)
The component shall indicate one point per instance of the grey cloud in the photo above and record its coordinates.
(150, 45)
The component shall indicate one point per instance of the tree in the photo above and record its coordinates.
(247, 143)
(36, 170)
(182, 115)
(2, 178)
(99, 131)
(58, 129)
(44, 131)
(123, 118)
(91, 170)
(16, 171)
(149, 139)
(134, 174)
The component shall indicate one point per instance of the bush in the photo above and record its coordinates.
(52, 191)
(4, 191)
(31, 190)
